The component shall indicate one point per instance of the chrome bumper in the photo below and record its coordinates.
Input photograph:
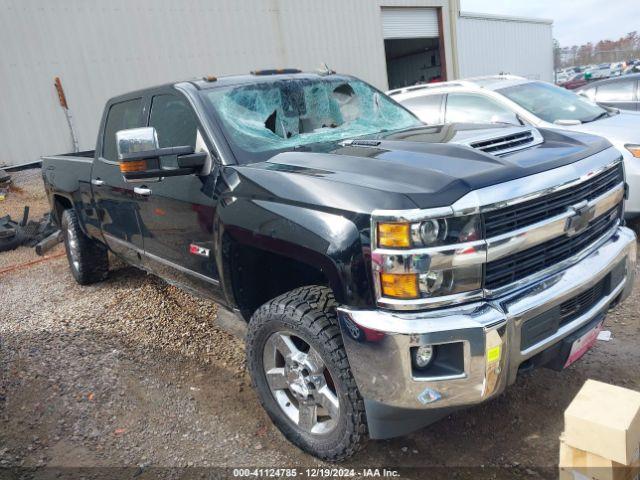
(488, 334)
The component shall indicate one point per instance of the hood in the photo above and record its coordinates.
(404, 170)
(619, 129)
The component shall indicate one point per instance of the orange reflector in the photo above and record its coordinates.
(394, 235)
(399, 285)
(133, 166)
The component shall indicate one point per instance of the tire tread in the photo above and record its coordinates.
(313, 309)
(92, 258)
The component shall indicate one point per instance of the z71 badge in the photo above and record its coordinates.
(198, 250)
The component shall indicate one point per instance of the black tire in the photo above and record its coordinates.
(88, 260)
(309, 313)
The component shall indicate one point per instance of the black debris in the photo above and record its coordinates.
(26, 232)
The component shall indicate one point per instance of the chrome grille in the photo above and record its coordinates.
(527, 262)
(523, 214)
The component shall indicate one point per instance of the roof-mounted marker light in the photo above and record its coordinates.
(275, 71)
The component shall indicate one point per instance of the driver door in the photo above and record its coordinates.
(177, 213)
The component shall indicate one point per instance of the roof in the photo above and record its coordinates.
(228, 80)
(203, 83)
(490, 82)
(629, 76)
(505, 18)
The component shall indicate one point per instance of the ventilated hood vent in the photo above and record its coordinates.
(513, 140)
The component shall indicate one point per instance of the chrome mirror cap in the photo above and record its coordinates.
(136, 140)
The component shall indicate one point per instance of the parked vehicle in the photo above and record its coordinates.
(620, 92)
(385, 272)
(518, 101)
(576, 81)
(600, 71)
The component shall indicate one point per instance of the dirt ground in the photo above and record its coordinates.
(135, 373)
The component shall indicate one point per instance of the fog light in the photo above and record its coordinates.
(422, 356)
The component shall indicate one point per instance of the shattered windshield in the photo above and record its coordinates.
(267, 117)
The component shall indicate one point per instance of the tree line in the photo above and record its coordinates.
(625, 48)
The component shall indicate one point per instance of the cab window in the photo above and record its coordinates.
(121, 116)
(427, 108)
(471, 108)
(175, 124)
(619, 91)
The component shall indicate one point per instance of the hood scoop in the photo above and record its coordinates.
(512, 141)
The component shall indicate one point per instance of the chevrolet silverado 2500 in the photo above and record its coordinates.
(385, 272)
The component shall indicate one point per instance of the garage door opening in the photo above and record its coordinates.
(412, 61)
(413, 46)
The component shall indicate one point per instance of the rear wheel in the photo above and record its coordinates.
(88, 260)
(300, 371)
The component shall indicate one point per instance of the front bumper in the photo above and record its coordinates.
(488, 335)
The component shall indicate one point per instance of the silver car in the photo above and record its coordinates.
(518, 101)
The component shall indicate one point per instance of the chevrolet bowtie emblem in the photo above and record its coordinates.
(579, 220)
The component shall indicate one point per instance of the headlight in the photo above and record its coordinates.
(426, 259)
(634, 149)
(429, 233)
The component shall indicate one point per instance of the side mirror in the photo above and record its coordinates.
(139, 156)
(506, 117)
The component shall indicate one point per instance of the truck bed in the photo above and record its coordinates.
(66, 172)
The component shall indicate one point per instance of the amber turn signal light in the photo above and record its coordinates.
(399, 285)
(634, 149)
(394, 235)
(133, 166)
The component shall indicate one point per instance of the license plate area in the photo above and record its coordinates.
(583, 344)
(568, 350)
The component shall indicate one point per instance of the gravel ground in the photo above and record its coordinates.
(135, 373)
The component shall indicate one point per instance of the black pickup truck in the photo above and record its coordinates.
(384, 272)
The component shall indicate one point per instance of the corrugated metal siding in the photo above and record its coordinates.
(409, 23)
(487, 46)
(103, 48)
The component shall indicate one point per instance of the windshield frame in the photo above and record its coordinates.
(243, 156)
(507, 92)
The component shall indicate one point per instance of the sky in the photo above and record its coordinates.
(574, 21)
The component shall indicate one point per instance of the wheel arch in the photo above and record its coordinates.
(291, 246)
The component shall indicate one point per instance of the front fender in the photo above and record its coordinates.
(328, 241)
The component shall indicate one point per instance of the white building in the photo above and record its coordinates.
(101, 48)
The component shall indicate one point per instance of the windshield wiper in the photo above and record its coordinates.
(301, 148)
(597, 117)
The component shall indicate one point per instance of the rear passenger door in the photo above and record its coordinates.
(178, 213)
(619, 94)
(115, 200)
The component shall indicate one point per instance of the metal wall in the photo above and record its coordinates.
(489, 44)
(100, 48)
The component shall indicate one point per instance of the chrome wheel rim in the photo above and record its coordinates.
(301, 383)
(72, 246)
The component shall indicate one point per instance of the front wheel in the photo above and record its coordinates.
(300, 371)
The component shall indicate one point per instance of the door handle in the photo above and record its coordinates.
(142, 191)
(97, 182)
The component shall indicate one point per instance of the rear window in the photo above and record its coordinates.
(121, 116)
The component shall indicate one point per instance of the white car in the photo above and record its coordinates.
(519, 101)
